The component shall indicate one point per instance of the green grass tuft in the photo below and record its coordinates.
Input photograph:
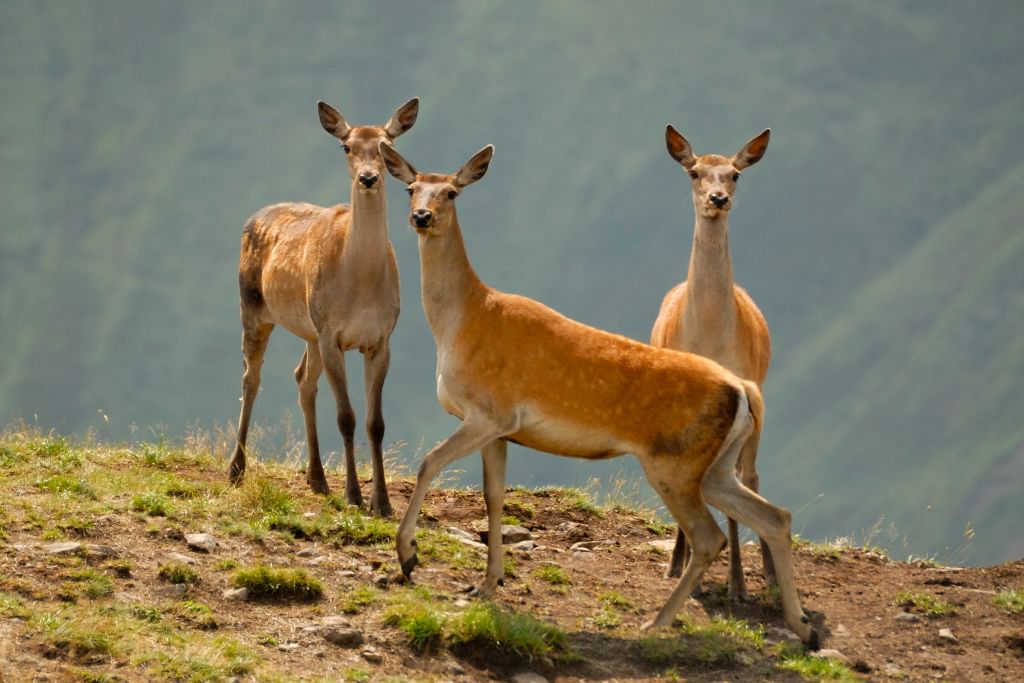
(178, 572)
(269, 583)
(152, 503)
(488, 625)
(552, 574)
(1011, 600)
(719, 643)
(416, 614)
(63, 484)
(793, 658)
(927, 604)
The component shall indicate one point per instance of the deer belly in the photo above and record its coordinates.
(561, 436)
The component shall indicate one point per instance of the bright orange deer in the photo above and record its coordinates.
(512, 369)
(708, 314)
(329, 276)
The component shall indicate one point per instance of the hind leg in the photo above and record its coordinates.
(678, 485)
(255, 337)
(722, 489)
(748, 473)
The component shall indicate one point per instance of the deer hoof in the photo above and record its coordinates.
(408, 565)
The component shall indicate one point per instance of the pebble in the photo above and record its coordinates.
(335, 621)
(459, 533)
(179, 557)
(346, 574)
(574, 531)
(67, 548)
(666, 545)
(288, 647)
(205, 543)
(583, 545)
(781, 635)
(908, 617)
(236, 594)
(372, 656)
(529, 677)
(380, 580)
(947, 635)
(840, 631)
(343, 637)
(306, 552)
(524, 546)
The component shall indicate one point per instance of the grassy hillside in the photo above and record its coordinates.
(917, 391)
(136, 139)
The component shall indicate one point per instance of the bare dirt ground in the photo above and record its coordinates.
(852, 594)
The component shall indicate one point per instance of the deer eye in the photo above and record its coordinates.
(409, 190)
(693, 174)
(735, 177)
(452, 194)
(346, 148)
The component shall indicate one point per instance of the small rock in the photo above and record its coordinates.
(372, 656)
(459, 533)
(175, 590)
(524, 546)
(840, 631)
(288, 647)
(236, 594)
(180, 557)
(205, 543)
(574, 531)
(583, 545)
(335, 621)
(947, 635)
(775, 634)
(380, 580)
(346, 573)
(893, 670)
(100, 552)
(67, 548)
(834, 655)
(456, 669)
(528, 677)
(343, 637)
(665, 545)
(306, 552)
(513, 533)
(908, 617)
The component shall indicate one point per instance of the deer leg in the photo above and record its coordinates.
(468, 437)
(375, 369)
(334, 363)
(494, 456)
(306, 376)
(255, 338)
(722, 489)
(748, 472)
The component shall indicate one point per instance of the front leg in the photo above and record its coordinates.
(470, 436)
(494, 456)
(334, 364)
(375, 369)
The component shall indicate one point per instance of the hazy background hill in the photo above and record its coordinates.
(881, 234)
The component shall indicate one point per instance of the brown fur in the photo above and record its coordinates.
(513, 369)
(329, 276)
(710, 315)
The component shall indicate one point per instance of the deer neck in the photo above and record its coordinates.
(448, 284)
(710, 301)
(367, 239)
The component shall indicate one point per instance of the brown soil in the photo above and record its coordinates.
(852, 595)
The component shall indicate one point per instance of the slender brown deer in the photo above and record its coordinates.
(329, 276)
(710, 315)
(512, 369)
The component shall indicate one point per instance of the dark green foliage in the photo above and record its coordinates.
(270, 583)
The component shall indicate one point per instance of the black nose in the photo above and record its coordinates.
(368, 180)
(422, 218)
(719, 200)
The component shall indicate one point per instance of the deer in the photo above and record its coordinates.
(710, 315)
(329, 276)
(512, 369)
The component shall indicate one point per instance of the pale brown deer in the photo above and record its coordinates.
(710, 315)
(329, 276)
(512, 369)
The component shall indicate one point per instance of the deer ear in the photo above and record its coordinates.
(332, 120)
(403, 118)
(753, 150)
(678, 148)
(396, 164)
(475, 168)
